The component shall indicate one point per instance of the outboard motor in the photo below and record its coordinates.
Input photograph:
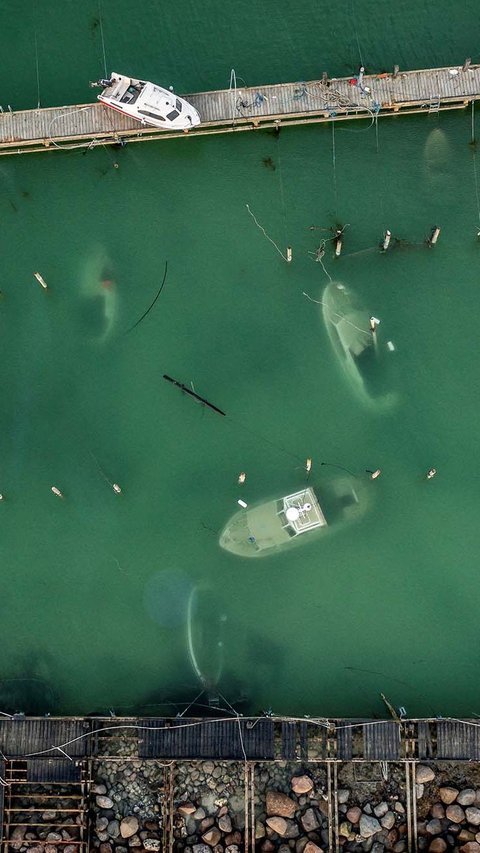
(101, 84)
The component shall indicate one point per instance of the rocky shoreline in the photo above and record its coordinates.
(291, 807)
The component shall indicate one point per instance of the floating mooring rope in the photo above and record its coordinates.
(152, 304)
(265, 233)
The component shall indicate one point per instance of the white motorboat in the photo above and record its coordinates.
(148, 103)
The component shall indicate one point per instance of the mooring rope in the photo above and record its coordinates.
(265, 233)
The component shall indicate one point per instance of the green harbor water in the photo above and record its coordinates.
(97, 590)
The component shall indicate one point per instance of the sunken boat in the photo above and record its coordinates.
(356, 342)
(269, 527)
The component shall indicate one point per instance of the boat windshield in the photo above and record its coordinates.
(173, 115)
(155, 116)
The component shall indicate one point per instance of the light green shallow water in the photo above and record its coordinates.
(95, 589)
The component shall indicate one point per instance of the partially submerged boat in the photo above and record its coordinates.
(355, 339)
(148, 103)
(272, 526)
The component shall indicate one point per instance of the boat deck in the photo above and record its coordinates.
(249, 108)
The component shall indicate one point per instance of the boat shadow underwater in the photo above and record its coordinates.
(356, 340)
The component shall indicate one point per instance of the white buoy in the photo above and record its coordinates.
(1, 497)
(57, 492)
(386, 240)
(242, 503)
(391, 346)
(289, 254)
(116, 488)
(308, 465)
(434, 235)
(41, 280)
(375, 474)
(241, 478)
(431, 473)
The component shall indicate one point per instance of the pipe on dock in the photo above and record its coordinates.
(434, 236)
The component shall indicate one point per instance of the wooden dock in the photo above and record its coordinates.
(40, 739)
(250, 108)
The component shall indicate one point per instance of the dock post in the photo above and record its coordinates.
(467, 64)
(324, 78)
(396, 69)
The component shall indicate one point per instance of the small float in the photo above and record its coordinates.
(269, 527)
(146, 102)
(354, 337)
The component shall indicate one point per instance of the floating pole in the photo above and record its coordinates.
(193, 394)
(289, 254)
(386, 240)
(390, 346)
(57, 492)
(434, 236)
(41, 280)
(116, 488)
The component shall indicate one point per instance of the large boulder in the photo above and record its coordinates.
(301, 784)
(212, 836)
(129, 826)
(310, 821)
(280, 805)
(369, 825)
(438, 845)
(448, 794)
(310, 847)
(103, 802)
(424, 774)
(473, 815)
(455, 813)
(467, 797)
(278, 825)
(354, 814)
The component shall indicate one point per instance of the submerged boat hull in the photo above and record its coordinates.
(359, 351)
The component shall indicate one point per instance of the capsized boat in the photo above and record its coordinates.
(99, 292)
(148, 103)
(205, 639)
(357, 345)
(272, 526)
